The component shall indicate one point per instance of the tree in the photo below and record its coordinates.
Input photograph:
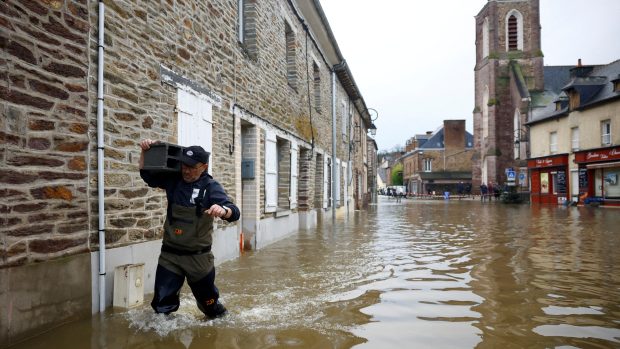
(397, 174)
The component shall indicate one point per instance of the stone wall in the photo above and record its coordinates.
(197, 40)
(44, 123)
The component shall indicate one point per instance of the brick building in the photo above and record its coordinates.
(261, 83)
(439, 161)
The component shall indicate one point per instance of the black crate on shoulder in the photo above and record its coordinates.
(163, 157)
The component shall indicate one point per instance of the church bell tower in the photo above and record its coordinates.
(509, 64)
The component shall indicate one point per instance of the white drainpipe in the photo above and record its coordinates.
(335, 181)
(100, 177)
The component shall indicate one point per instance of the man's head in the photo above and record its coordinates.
(195, 160)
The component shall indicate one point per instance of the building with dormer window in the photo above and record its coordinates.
(576, 155)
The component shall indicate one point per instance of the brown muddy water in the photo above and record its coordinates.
(416, 274)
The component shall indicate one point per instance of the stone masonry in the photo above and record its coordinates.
(48, 108)
(494, 73)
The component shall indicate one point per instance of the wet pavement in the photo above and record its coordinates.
(415, 274)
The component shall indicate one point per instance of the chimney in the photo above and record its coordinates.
(581, 71)
(453, 135)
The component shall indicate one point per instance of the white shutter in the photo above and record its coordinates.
(271, 172)
(195, 122)
(325, 183)
(337, 179)
(345, 184)
(294, 175)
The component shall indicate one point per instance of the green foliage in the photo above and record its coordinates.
(397, 174)
(493, 55)
(476, 109)
(492, 102)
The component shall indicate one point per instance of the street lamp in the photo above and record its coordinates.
(520, 136)
(372, 129)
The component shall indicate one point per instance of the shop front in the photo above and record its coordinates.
(599, 173)
(549, 179)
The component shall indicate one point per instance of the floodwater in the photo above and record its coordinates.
(415, 274)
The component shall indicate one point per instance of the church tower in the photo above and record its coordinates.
(509, 64)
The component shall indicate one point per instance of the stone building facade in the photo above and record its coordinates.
(259, 83)
(509, 64)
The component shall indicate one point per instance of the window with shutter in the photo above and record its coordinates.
(271, 172)
(294, 174)
(326, 185)
(338, 183)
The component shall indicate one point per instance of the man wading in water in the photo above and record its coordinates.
(194, 200)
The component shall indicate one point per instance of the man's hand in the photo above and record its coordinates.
(218, 211)
(145, 144)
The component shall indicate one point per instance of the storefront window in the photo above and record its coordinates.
(612, 186)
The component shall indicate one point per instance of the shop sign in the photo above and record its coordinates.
(598, 155)
(547, 162)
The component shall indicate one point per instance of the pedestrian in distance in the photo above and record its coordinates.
(483, 191)
(195, 199)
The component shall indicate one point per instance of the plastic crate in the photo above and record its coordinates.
(163, 157)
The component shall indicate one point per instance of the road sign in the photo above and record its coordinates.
(521, 176)
(511, 176)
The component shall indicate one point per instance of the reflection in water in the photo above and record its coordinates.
(456, 274)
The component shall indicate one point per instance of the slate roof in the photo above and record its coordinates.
(436, 141)
(594, 87)
(543, 102)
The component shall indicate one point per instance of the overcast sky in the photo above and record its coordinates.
(413, 61)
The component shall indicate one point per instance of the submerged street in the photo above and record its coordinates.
(414, 274)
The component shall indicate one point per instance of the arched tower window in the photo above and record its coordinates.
(514, 31)
(485, 37)
(485, 112)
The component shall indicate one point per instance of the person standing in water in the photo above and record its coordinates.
(195, 199)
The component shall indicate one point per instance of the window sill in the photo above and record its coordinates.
(282, 213)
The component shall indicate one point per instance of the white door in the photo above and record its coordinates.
(574, 184)
(195, 122)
